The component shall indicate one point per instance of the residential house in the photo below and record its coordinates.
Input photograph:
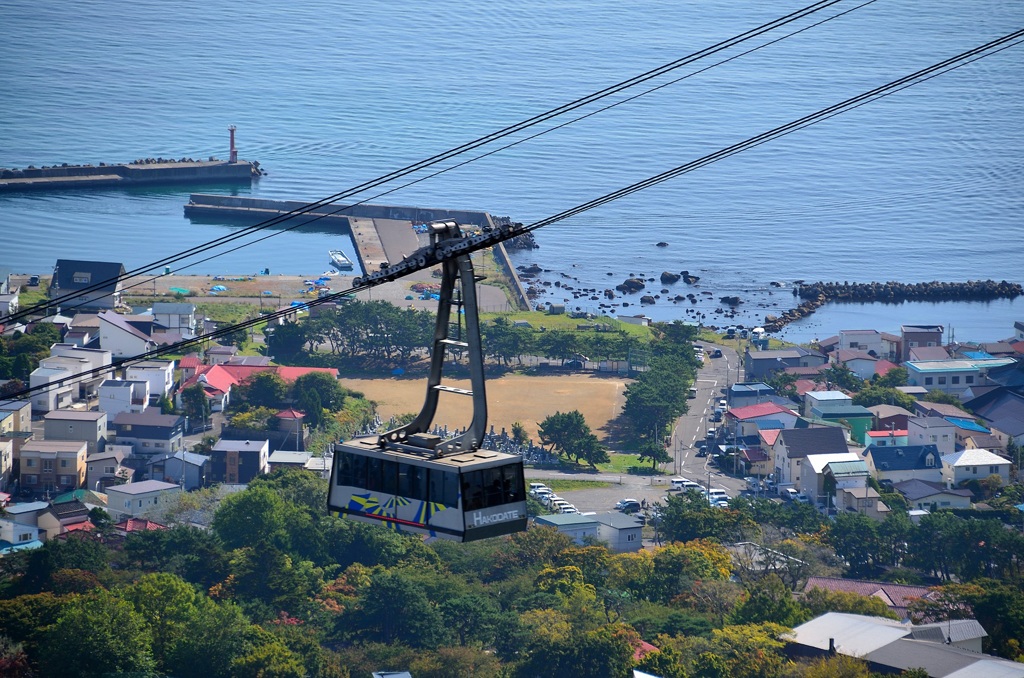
(15, 428)
(932, 431)
(52, 465)
(793, 446)
(751, 393)
(868, 341)
(950, 648)
(321, 466)
(861, 363)
(952, 376)
(96, 285)
(176, 317)
(239, 461)
(136, 499)
(189, 364)
(890, 438)
(1003, 412)
(748, 420)
(188, 469)
(6, 460)
(128, 525)
(889, 417)
(619, 531)
(9, 303)
(762, 364)
(77, 425)
(292, 423)
(987, 441)
(61, 518)
(755, 459)
(150, 432)
(158, 373)
(912, 336)
(118, 395)
(577, 527)
(91, 362)
(861, 499)
(854, 417)
(974, 465)
(104, 469)
(898, 597)
(822, 400)
(964, 428)
(923, 408)
(217, 354)
(26, 513)
(122, 338)
(1018, 330)
(282, 459)
(929, 496)
(14, 534)
(927, 354)
(813, 472)
(216, 383)
(908, 462)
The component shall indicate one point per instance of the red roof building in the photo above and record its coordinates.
(138, 525)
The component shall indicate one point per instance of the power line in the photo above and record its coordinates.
(428, 162)
(418, 261)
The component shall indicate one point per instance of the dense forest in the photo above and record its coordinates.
(276, 587)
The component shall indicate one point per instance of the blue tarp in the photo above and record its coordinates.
(219, 288)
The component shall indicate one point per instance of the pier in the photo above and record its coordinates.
(154, 172)
(381, 233)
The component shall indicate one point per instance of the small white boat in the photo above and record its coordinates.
(339, 260)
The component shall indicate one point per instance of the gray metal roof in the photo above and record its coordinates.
(620, 521)
(854, 634)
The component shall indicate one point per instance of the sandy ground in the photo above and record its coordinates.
(287, 288)
(510, 398)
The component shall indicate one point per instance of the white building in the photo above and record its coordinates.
(136, 499)
(121, 338)
(621, 532)
(577, 527)
(159, 374)
(974, 464)
(176, 317)
(823, 400)
(117, 396)
(932, 431)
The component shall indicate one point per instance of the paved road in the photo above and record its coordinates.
(712, 380)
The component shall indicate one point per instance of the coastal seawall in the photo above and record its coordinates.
(816, 295)
(148, 172)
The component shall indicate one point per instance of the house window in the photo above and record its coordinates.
(140, 503)
(929, 461)
(108, 469)
(954, 380)
(943, 503)
(31, 480)
(71, 428)
(974, 470)
(942, 380)
(30, 463)
(81, 278)
(47, 465)
(927, 381)
(631, 537)
(67, 480)
(145, 444)
(127, 503)
(970, 379)
(63, 463)
(993, 469)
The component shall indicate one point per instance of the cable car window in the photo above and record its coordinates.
(444, 487)
(412, 481)
(358, 475)
(493, 486)
(473, 497)
(374, 474)
(344, 476)
(390, 481)
(513, 483)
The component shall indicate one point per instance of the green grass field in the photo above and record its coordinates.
(565, 485)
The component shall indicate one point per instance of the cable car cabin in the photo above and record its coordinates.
(463, 497)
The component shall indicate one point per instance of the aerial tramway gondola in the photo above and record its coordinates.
(412, 481)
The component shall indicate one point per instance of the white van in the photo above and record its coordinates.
(683, 484)
(717, 494)
(537, 486)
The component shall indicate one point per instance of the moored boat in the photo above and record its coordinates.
(339, 260)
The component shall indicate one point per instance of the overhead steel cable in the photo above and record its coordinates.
(428, 162)
(475, 243)
(505, 147)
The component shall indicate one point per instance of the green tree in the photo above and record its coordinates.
(568, 433)
(840, 377)
(264, 389)
(854, 537)
(285, 341)
(195, 404)
(895, 377)
(519, 435)
(97, 635)
(328, 389)
(937, 396)
(165, 405)
(819, 601)
(655, 452)
(769, 600)
(257, 516)
(395, 609)
(880, 395)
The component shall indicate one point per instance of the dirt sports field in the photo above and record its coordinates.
(510, 398)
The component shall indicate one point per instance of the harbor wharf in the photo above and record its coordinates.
(152, 172)
(381, 233)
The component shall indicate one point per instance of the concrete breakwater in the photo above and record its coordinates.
(144, 172)
(816, 295)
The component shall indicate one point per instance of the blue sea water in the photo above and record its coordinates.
(922, 185)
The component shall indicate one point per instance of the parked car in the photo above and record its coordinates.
(536, 487)
(541, 493)
(753, 484)
(802, 498)
(717, 353)
(789, 494)
(550, 499)
(628, 506)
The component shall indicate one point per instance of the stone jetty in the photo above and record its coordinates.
(816, 295)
